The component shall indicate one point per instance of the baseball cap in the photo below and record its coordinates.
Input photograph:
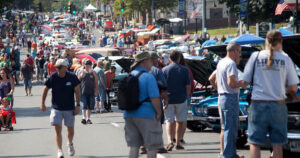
(61, 62)
(88, 62)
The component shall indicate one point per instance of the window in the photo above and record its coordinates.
(216, 13)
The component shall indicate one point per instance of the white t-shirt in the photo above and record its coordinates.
(166, 58)
(150, 45)
(270, 82)
(225, 69)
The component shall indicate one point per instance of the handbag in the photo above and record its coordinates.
(249, 93)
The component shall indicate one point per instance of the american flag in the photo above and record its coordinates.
(194, 12)
(280, 7)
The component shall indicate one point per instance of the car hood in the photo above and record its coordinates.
(125, 63)
(291, 46)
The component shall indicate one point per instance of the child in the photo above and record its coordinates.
(6, 113)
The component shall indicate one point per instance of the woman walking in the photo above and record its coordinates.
(6, 86)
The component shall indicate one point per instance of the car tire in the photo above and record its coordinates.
(195, 126)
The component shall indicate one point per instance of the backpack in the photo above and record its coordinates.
(128, 92)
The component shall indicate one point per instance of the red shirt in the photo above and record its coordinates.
(51, 68)
(109, 78)
(30, 61)
(34, 45)
(41, 52)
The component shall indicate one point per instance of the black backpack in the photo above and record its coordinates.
(128, 92)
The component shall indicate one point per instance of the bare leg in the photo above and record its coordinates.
(277, 151)
(102, 105)
(26, 91)
(151, 154)
(2, 120)
(58, 129)
(88, 113)
(169, 128)
(29, 91)
(134, 152)
(97, 105)
(70, 134)
(84, 114)
(7, 119)
(183, 129)
(254, 151)
(179, 132)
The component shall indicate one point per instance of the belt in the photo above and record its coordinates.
(269, 101)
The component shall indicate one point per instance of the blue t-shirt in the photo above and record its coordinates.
(104, 40)
(178, 78)
(160, 78)
(100, 74)
(62, 90)
(148, 89)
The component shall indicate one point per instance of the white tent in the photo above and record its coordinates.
(90, 8)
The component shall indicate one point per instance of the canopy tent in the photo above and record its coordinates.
(209, 43)
(90, 8)
(248, 39)
(285, 32)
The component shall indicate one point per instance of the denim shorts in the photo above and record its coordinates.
(101, 95)
(267, 118)
(27, 83)
(88, 101)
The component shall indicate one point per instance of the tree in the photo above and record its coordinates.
(6, 3)
(258, 10)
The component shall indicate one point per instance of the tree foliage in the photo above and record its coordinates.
(258, 10)
(6, 4)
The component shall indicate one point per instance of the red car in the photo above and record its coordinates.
(109, 26)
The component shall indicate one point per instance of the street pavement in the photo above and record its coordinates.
(33, 136)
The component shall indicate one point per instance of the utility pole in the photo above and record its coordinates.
(248, 16)
(196, 25)
(203, 16)
(185, 15)
(296, 20)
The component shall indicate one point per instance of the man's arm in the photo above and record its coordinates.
(96, 83)
(233, 83)
(188, 90)
(213, 80)
(44, 96)
(292, 90)
(77, 97)
(157, 106)
(102, 82)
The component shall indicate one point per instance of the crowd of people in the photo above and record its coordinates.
(166, 85)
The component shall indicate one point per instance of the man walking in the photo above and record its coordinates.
(64, 84)
(27, 76)
(142, 126)
(89, 89)
(110, 76)
(179, 88)
(101, 97)
(228, 90)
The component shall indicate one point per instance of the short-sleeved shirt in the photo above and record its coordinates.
(51, 68)
(160, 78)
(148, 89)
(62, 90)
(178, 78)
(27, 70)
(225, 69)
(270, 82)
(109, 78)
(100, 74)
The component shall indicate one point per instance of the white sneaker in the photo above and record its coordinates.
(71, 149)
(60, 154)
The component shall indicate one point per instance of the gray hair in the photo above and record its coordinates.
(232, 46)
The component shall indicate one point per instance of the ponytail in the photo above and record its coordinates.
(271, 56)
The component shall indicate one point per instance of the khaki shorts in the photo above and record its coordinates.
(57, 116)
(176, 112)
(143, 131)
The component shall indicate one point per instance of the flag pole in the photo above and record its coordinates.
(203, 16)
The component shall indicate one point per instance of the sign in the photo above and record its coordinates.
(181, 7)
(243, 9)
(263, 28)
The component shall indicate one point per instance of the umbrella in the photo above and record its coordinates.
(209, 43)
(81, 56)
(248, 39)
(285, 32)
(95, 55)
(228, 40)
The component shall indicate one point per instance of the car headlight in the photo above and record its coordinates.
(112, 94)
(198, 110)
(204, 110)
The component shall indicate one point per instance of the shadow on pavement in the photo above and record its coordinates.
(204, 143)
(24, 156)
(31, 112)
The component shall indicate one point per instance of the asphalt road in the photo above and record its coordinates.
(34, 137)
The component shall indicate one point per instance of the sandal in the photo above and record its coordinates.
(179, 147)
(170, 147)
